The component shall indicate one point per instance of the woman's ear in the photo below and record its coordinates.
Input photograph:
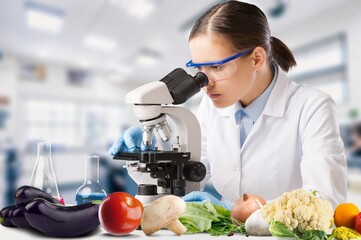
(259, 58)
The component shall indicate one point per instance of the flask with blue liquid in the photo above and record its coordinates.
(91, 189)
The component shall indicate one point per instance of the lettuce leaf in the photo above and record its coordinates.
(206, 217)
(278, 229)
(314, 235)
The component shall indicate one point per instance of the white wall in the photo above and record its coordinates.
(8, 90)
(55, 87)
(345, 19)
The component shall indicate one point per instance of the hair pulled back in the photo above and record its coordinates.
(246, 27)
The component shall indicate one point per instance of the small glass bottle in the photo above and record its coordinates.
(43, 176)
(91, 189)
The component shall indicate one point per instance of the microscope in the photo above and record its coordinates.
(178, 170)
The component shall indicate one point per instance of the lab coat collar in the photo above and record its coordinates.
(255, 108)
(276, 102)
(230, 111)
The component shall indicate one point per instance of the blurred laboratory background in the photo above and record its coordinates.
(66, 65)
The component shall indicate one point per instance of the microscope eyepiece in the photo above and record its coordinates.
(183, 86)
(202, 78)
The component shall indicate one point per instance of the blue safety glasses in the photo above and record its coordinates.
(220, 70)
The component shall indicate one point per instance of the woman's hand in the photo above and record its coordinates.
(130, 141)
(202, 197)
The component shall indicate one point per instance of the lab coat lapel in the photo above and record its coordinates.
(232, 130)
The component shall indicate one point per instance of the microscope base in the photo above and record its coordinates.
(148, 199)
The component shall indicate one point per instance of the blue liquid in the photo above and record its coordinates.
(80, 199)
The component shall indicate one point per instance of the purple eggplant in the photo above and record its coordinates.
(18, 217)
(5, 216)
(62, 221)
(26, 194)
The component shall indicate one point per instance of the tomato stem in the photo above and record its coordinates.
(245, 197)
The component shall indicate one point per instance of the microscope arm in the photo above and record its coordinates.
(188, 129)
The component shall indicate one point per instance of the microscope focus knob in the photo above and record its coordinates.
(194, 171)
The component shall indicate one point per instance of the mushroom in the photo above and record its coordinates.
(164, 212)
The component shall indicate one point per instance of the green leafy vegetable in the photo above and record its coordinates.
(97, 202)
(1, 220)
(278, 229)
(314, 235)
(206, 217)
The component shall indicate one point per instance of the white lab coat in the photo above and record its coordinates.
(295, 143)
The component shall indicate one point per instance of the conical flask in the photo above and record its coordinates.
(91, 189)
(43, 176)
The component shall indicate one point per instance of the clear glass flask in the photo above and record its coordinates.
(43, 176)
(91, 189)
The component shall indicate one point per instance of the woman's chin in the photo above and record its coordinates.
(221, 104)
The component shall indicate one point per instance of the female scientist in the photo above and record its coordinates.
(261, 133)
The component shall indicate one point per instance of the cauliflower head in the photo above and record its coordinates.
(299, 210)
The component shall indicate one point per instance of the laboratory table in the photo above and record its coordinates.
(100, 233)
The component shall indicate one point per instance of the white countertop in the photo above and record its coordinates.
(28, 234)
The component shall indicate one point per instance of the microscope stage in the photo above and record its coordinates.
(153, 156)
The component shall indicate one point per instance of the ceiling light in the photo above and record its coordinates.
(83, 63)
(115, 76)
(100, 43)
(44, 18)
(43, 53)
(121, 69)
(118, 73)
(146, 58)
(137, 8)
(146, 61)
(141, 9)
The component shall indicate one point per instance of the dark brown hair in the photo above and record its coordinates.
(246, 27)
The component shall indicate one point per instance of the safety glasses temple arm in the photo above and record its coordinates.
(240, 54)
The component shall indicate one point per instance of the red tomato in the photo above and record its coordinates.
(120, 213)
(358, 223)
